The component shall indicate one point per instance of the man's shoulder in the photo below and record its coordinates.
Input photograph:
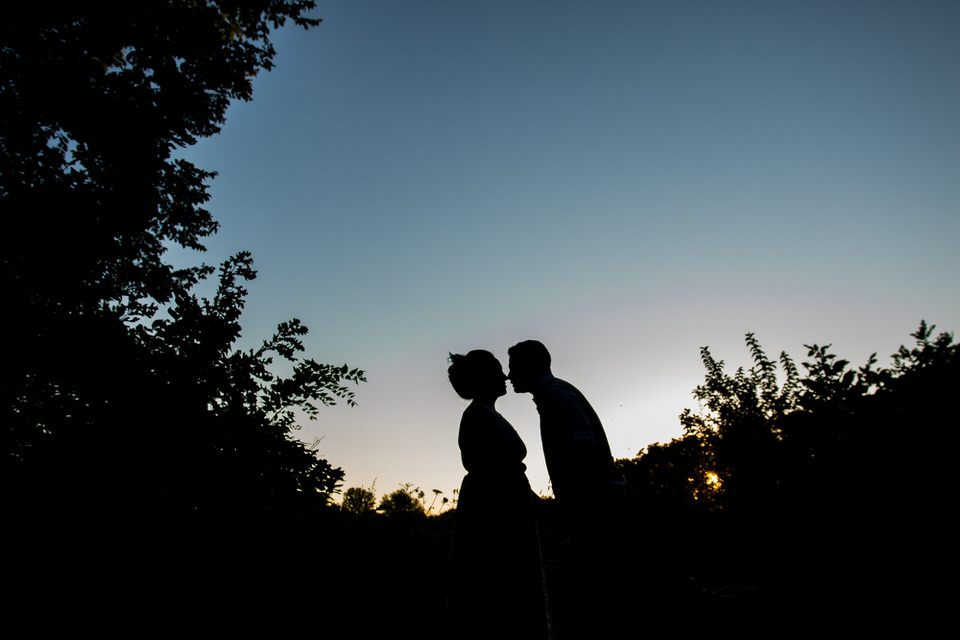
(557, 392)
(562, 383)
(556, 386)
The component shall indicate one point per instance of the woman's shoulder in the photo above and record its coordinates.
(484, 416)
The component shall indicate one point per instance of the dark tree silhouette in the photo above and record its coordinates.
(829, 487)
(357, 500)
(137, 439)
(407, 501)
(96, 97)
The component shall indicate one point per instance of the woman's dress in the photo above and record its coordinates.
(498, 586)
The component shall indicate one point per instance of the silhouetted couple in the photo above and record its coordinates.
(499, 589)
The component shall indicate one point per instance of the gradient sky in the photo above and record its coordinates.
(625, 181)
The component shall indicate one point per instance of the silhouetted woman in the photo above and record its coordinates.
(498, 588)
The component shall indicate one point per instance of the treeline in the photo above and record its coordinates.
(148, 463)
(823, 493)
(798, 496)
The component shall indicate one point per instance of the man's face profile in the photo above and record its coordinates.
(519, 375)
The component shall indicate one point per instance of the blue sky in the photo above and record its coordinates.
(625, 181)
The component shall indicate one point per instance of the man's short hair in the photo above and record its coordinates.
(532, 354)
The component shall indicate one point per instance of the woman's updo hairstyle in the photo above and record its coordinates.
(467, 373)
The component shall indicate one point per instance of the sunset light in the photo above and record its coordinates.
(470, 320)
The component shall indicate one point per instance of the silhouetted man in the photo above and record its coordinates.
(575, 446)
(588, 487)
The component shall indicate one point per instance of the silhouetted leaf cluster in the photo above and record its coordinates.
(358, 501)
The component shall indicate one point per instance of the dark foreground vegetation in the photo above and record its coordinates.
(799, 498)
(148, 464)
(819, 501)
(150, 473)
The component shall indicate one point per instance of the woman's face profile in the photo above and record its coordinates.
(492, 379)
(477, 376)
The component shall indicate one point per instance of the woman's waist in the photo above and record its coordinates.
(506, 477)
